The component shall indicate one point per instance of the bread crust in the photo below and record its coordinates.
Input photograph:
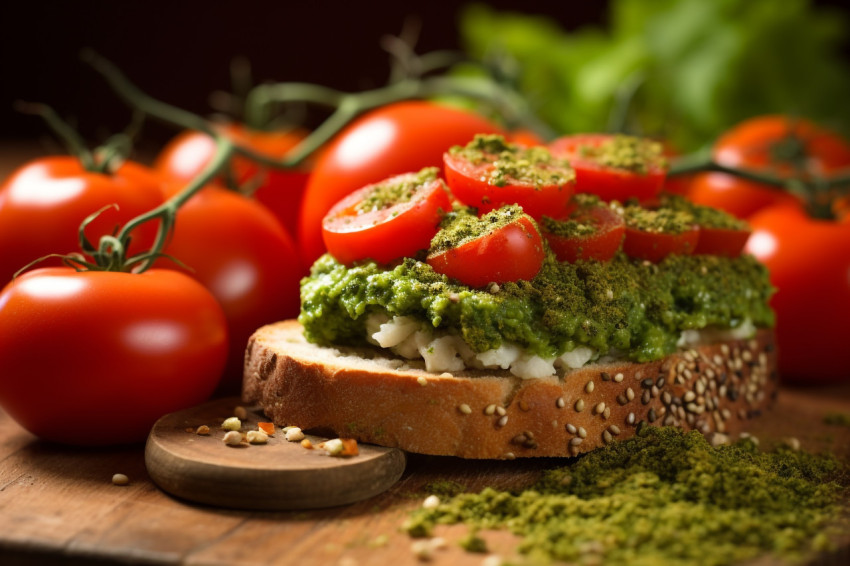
(362, 393)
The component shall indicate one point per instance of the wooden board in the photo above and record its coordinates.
(279, 475)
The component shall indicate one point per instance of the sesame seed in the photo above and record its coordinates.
(647, 383)
(489, 409)
(579, 406)
(614, 429)
(571, 428)
(606, 437)
(645, 398)
(576, 441)
(589, 387)
(661, 381)
(689, 397)
(651, 416)
(630, 419)
(600, 407)
(605, 376)
(120, 479)
(618, 378)
(621, 399)
(560, 403)
(655, 391)
(630, 394)
(510, 456)
(422, 381)
(431, 502)
(700, 387)
(606, 413)
(666, 398)
(581, 432)
(465, 409)
(501, 411)
(502, 421)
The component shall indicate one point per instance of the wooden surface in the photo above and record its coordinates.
(58, 504)
(276, 476)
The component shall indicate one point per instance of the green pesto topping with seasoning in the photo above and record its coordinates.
(462, 225)
(664, 497)
(633, 308)
(510, 163)
(705, 216)
(400, 189)
(627, 152)
(662, 220)
(570, 227)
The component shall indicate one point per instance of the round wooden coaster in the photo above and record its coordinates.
(279, 475)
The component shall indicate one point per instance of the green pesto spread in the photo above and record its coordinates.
(704, 216)
(626, 152)
(509, 162)
(395, 190)
(663, 220)
(663, 497)
(572, 226)
(631, 308)
(462, 225)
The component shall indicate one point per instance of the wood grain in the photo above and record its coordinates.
(278, 475)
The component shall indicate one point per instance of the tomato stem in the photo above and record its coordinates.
(73, 141)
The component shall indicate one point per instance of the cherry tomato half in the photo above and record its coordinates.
(777, 145)
(655, 246)
(44, 202)
(489, 173)
(95, 357)
(728, 242)
(281, 190)
(238, 250)
(510, 252)
(614, 167)
(391, 140)
(591, 231)
(403, 223)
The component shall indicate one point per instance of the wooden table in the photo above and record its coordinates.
(58, 504)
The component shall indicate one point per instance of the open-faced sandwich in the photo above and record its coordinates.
(533, 303)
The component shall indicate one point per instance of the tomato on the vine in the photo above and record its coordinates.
(281, 190)
(505, 246)
(388, 220)
(43, 203)
(614, 167)
(390, 140)
(809, 262)
(96, 357)
(488, 173)
(238, 250)
(592, 230)
(780, 146)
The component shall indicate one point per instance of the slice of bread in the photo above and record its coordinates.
(366, 394)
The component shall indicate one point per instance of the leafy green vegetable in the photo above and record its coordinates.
(685, 69)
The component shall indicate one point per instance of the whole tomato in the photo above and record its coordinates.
(809, 264)
(238, 250)
(43, 203)
(776, 145)
(281, 190)
(391, 140)
(96, 357)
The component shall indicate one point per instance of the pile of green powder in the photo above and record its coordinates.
(664, 497)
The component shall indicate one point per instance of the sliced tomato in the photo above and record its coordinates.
(608, 229)
(727, 242)
(388, 220)
(511, 251)
(655, 246)
(489, 173)
(614, 167)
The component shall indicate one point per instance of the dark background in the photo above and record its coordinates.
(180, 52)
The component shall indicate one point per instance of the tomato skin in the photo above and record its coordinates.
(602, 245)
(510, 253)
(609, 183)
(725, 242)
(43, 203)
(388, 234)
(809, 262)
(238, 250)
(281, 190)
(752, 145)
(391, 140)
(469, 184)
(94, 358)
(655, 246)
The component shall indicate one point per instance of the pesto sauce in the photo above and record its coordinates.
(633, 308)
(395, 190)
(663, 497)
(461, 226)
(705, 216)
(630, 153)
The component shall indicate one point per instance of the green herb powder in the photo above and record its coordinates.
(663, 497)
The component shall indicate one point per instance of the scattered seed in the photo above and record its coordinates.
(618, 378)
(120, 479)
(489, 409)
(501, 411)
(431, 502)
(589, 387)
(233, 438)
(465, 409)
(581, 432)
(571, 428)
(576, 441)
(560, 403)
(307, 444)
(502, 421)
(579, 406)
(422, 381)
(600, 407)
(203, 430)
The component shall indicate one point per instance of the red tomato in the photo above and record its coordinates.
(43, 203)
(601, 245)
(809, 263)
(511, 252)
(594, 173)
(238, 250)
(391, 140)
(95, 357)
(721, 241)
(473, 184)
(384, 234)
(655, 246)
(772, 144)
(281, 190)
